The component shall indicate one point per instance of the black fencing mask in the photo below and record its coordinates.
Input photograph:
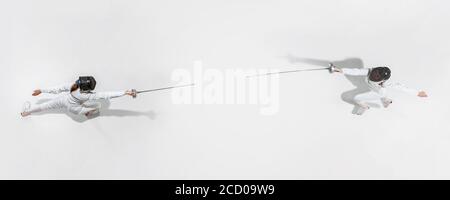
(378, 74)
(86, 83)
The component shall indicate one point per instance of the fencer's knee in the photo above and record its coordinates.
(357, 101)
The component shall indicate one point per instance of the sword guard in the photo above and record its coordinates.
(134, 95)
(331, 68)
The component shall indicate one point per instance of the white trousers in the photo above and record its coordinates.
(371, 97)
(368, 97)
(63, 103)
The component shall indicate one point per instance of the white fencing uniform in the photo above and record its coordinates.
(75, 102)
(377, 91)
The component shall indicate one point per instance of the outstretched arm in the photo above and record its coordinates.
(350, 71)
(403, 88)
(355, 71)
(53, 90)
(108, 95)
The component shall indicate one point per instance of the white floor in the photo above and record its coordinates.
(138, 44)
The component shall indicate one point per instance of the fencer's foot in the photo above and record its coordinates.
(25, 109)
(386, 102)
(24, 114)
(362, 108)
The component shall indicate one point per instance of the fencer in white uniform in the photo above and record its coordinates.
(78, 98)
(377, 80)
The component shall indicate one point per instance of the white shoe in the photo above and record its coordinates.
(386, 102)
(362, 109)
(25, 108)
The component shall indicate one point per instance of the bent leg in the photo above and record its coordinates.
(90, 108)
(367, 97)
(362, 101)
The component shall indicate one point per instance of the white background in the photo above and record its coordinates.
(137, 44)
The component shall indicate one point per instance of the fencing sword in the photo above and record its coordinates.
(135, 92)
(330, 69)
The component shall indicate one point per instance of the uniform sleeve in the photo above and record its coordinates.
(105, 95)
(402, 87)
(355, 71)
(57, 89)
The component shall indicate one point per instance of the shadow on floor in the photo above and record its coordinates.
(358, 81)
(104, 112)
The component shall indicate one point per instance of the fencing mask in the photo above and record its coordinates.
(86, 83)
(378, 74)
